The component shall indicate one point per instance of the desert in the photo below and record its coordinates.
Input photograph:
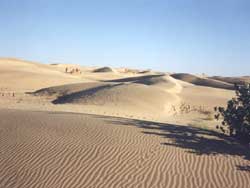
(66, 125)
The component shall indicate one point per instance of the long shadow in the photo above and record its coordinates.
(73, 96)
(244, 168)
(192, 139)
(135, 79)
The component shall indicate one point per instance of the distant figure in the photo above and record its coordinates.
(66, 70)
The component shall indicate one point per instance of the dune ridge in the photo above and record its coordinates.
(202, 81)
(233, 80)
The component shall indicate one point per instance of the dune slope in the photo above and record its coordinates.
(132, 97)
(143, 95)
(103, 69)
(23, 75)
(202, 81)
(232, 80)
(67, 89)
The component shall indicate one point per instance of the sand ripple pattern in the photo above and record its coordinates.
(46, 149)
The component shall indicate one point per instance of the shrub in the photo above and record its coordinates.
(236, 117)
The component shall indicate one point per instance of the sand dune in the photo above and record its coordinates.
(137, 78)
(129, 97)
(23, 75)
(202, 81)
(162, 81)
(136, 94)
(103, 69)
(67, 89)
(233, 80)
(130, 71)
(48, 149)
(206, 96)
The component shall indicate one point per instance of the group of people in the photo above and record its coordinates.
(73, 70)
(7, 94)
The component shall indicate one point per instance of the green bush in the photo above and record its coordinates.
(236, 117)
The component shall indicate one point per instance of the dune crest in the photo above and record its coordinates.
(202, 81)
(233, 80)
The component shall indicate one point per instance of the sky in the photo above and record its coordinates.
(194, 36)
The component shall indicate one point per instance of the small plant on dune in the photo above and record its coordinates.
(209, 116)
(186, 108)
(236, 116)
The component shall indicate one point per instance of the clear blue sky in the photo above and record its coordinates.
(196, 36)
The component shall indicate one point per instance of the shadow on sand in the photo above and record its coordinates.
(195, 140)
(244, 168)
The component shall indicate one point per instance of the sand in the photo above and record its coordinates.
(112, 129)
(200, 81)
(233, 80)
(48, 149)
(23, 76)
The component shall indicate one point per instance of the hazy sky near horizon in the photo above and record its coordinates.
(196, 36)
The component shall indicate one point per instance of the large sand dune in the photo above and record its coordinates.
(162, 81)
(48, 149)
(23, 75)
(133, 97)
(136, 95)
